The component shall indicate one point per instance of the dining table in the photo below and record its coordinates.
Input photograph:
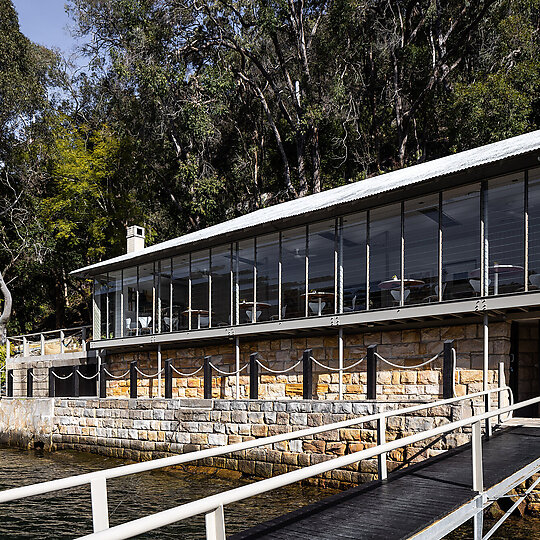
(199, 313)
(320, 298)
(251, 307)
(395, 283)
(497, 270)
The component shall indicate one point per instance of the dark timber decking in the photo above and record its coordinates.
(410, 500)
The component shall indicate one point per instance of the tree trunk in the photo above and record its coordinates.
(6, 312)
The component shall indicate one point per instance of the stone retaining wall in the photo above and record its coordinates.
(146, 429)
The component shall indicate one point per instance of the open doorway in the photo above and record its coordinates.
(525, 364)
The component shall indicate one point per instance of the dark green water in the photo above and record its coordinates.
(67, 514)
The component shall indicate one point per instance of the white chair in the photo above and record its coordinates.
(535, 280)
(144, 323)
(475, 284)
(396, 294)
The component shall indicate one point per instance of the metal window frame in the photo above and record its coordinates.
(526, 230)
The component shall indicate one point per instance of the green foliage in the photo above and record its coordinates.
(194, 113)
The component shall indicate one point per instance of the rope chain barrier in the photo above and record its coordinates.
(337, 369)
(60, 377)
(278, 372)
(149, 376)
(107, 372)
(88, 378)
(408, 367)
(39, 379)
(186, 374)
(228, 372)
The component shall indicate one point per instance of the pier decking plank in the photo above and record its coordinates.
(410, 500)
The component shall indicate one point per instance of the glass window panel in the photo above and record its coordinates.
(100, 307)
(145, 318)
(293, 273)
(506, 233)
(245, 264)
(129, 294)
(221, 286)
(321, 267)
(200, 273)
(461, 242)
(534, 229)
(180, 293)
(353, 257)
(163, 294)
(268, 277)
(115, 304)
(421, 233)
(385, 256)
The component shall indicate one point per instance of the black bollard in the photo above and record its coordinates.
(253, 376)
(371, 372)
(448, 370)
(168, 379)
(307, 371)
(102, 382)
(133, 379)
(207, 377)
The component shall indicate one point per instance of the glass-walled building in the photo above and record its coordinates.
(460, 230)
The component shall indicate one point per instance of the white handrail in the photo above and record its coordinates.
(125, 470)
(210, 504)
(51, 332)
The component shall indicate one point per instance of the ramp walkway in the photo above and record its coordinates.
(426, 500)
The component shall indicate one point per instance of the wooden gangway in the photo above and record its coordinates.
(426, 500)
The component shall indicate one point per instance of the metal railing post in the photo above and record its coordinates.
(83, 338)
(307, 374)
(215, 524)
(478, 478)
(477, 468)
(8, 350)
(100, 509)
(41, 345)
(133, 379)
(25, 346)
(75, 381)
(62, 346)
(30, 382)
(381, 439)
(102, 382)
(501, 383)
(253, 376)
(448, 374)
(52, 382)
(207, 377)
(168, 379)
(371, 372)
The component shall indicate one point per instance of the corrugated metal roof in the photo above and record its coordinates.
(476, 157)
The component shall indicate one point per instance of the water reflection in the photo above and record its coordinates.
(67, 514)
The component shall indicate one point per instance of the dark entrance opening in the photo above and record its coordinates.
(525, 364)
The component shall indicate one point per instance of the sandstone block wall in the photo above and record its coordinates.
(407, 347)
(145, 429)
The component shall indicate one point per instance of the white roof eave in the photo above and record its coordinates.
(455, 163)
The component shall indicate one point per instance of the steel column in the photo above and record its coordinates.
(340, 353)
(159, 369)
(485, 371)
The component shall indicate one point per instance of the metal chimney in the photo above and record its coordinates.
(135, 238)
